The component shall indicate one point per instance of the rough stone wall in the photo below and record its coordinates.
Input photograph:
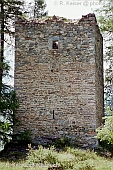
(99, 80)
(60, 90)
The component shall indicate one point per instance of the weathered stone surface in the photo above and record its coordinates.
(60, 90)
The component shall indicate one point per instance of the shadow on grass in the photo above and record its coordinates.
(14, 151)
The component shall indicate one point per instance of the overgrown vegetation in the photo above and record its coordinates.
(62, 142)
(39, 9)
(8, 105)
(105, 20)
(106, 133)
(107, 147)
(67, 159)
(8, 101)
(23, 137)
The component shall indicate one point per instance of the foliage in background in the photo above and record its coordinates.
(8, 105)
(106, 133)
(39, 8)
(105, 20)
(35, 9)
(23, 137)
(49, 158)
(68, 159)
(8, 101)
(62, 142)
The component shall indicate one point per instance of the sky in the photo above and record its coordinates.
(71, 9)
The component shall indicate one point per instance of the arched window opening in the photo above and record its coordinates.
(55, 45)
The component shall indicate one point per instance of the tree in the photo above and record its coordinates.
(8, 101)
(106, 26)
(106, 133)
(9, 8)
(34, 9)
(105, 19)
(8, 105)
(39, 9)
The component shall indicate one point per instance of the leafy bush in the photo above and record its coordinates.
(106, 146)
(64, 159)
(106, 132)
(62, 142)
(8, 106)
(84, 166)
(42, 155)
(50, 157)
(81, 155)
(70, 159)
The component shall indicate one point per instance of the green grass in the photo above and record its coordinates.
(68, 159)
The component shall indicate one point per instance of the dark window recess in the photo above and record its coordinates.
(53, 114)
(55, 45)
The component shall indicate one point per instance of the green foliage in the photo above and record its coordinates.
(105, 19)
(109, 111)
(23, 137)
(42, 155)
(8, 101)
(62, 142)
(107, 147)
(106, 133)
(70, 159)
(8, 105)
(81, 155)
(11, 8)
(105, 16)
(39, 9)
(85, 166)
(5, 67)
(108, 99)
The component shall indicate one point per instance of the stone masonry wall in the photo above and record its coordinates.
(60, 90)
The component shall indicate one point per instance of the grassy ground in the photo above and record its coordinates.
(67, 159)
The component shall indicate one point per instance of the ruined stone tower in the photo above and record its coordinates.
(59, 77)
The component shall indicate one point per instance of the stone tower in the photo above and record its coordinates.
(59, 77)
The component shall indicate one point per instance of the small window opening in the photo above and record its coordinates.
(55, 45)
(53, 114)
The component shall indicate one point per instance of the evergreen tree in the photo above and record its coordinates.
(8, 101)
(105, 19)
(106, 25)
(39, 9)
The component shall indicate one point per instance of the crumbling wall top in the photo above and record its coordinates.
(88, 17)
